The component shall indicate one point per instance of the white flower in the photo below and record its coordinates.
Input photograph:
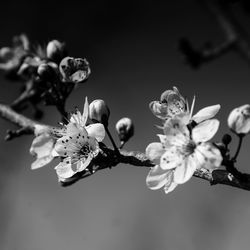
(42, 147)
(78, 145)
(181, 152)
(172, 103)
(74, 70)
(239, 119)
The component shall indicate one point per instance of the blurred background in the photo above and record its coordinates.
(132, 50)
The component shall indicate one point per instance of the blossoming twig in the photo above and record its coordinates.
(108, 158)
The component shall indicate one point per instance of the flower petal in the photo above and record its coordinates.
(170, 185)
(176, 131)
(42, 147)
(71, 144)
(96, 130)
(206, 113)
(160, 110)
(64, 170)
(42, 161)
(185, 171)
(157, 178)
(171, 159)
(205, 131)
(85, 113)
(208, 155)
(154, 151)
(83, 164)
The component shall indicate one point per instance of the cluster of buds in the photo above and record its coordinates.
(48, 74)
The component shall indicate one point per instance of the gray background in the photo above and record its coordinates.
(131, 46)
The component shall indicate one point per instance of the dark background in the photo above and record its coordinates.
(132, 49)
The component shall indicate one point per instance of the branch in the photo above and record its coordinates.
(108, 158)
(236, 38)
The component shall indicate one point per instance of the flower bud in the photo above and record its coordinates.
(239, 120)
(56, 50)
(46, 71)
(99, 112)
(125, 129)
(74, 70)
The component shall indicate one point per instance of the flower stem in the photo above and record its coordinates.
(112, 140)
(122, 144)
(238, 148)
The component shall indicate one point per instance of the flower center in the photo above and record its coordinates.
(85, 150)
(189, 148)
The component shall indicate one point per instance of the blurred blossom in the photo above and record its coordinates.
(42, 147)
(78, 144)
(75, 70)
(239, 120)
(11, 57)
(55, 50)
(99, 112)
(125, 129)
(180, 152)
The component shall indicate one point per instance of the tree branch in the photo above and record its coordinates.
(108, 158)
(236, 39)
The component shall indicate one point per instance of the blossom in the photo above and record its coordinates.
(172, 103)
(239, 119)
(180, 152)
(78, 144)
(42, 147)
(74, 70)
(12, 57)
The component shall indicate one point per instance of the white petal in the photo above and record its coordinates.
(205, 131)
(208, 155)
(206, 113)
(170, 185)
(85, 113)
(40, 162)
(154, 151)
(42, 145)
(83, 164)
(160, 110)
(97, 131)
(69, 145)
(171, 159)
(176, 132)
(157, 178)
(76, 118)
(185, 171)
(64, 170)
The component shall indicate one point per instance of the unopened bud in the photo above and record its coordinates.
(56, 50)
(99, 112)
(74, 70)
(46, 71)
(239, 120)
(125, 129)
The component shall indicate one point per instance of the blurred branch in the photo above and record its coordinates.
(236, 39)
(108, 158)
